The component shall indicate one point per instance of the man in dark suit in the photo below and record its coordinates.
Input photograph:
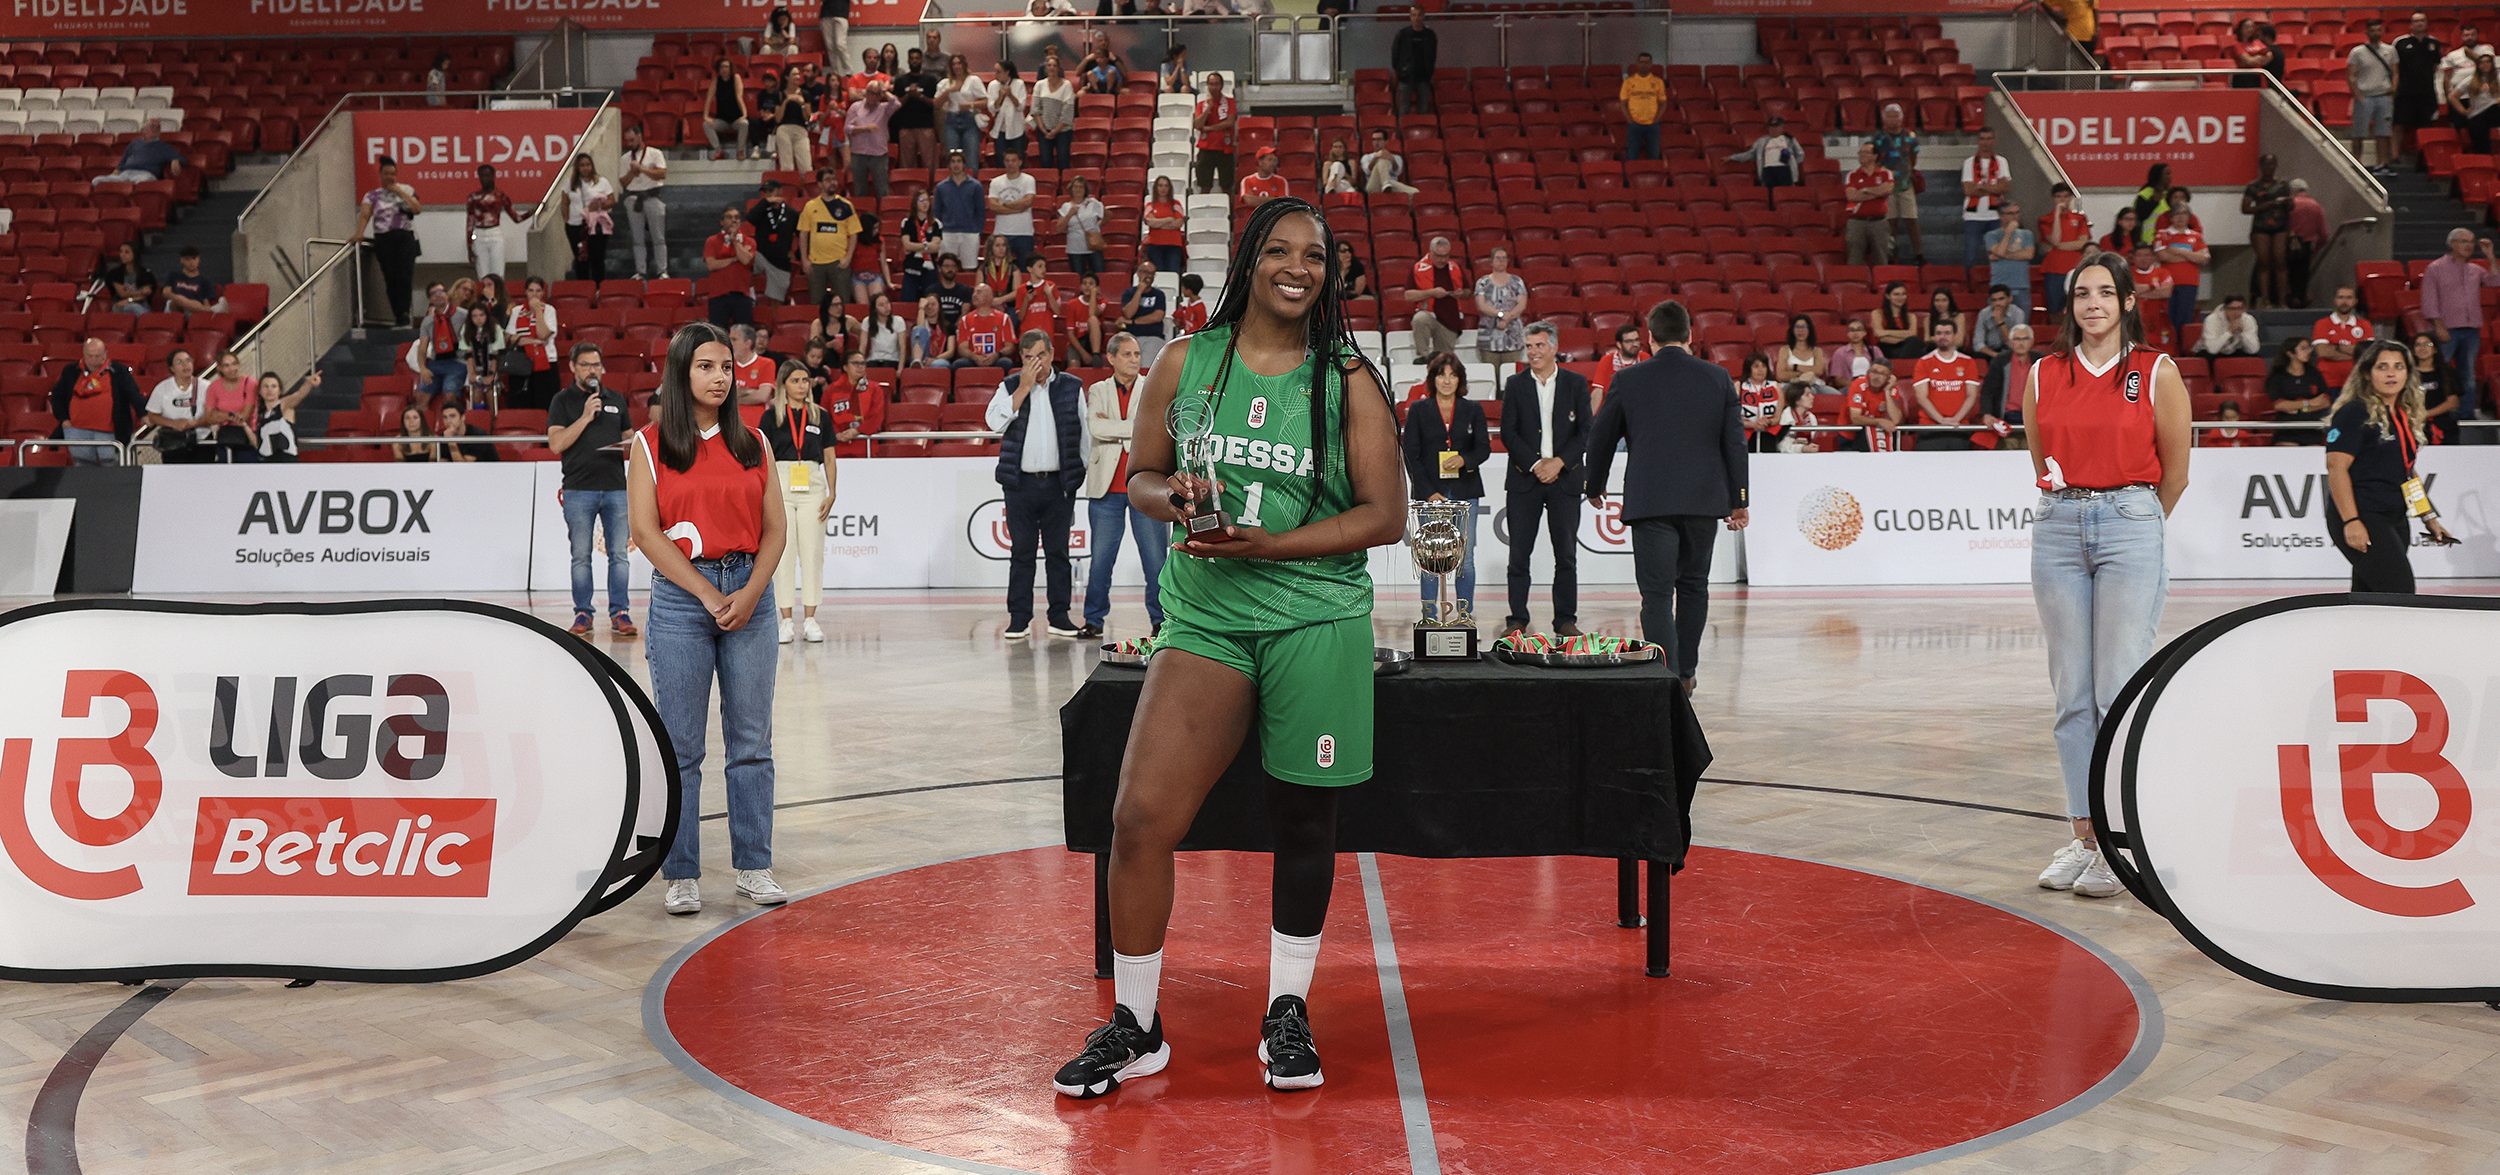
(1685, 472)
(1545, 419)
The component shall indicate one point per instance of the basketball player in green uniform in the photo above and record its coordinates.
(1268, 622)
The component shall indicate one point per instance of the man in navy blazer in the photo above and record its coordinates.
(1685, 472)
(1545, 421)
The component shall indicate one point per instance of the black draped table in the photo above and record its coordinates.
(1472, 759)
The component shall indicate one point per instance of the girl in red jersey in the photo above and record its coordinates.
(2108, 423)
(707, 512)
(1758, 402)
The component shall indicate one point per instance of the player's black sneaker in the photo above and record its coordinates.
(1285, 1045)
(1114, 1053)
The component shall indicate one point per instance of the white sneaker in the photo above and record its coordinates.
(2068, 864)
(787, 632)
(815, 633)
(2096, 881)
(685, 896)
(758, 886)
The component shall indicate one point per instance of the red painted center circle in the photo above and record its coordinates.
(1818, 1018)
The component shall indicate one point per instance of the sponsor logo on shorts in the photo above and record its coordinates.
(1328, 750)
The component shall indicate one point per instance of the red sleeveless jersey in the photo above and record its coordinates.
(2097, 429)
(716, 506)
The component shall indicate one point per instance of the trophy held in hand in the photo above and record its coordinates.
(1191, 421)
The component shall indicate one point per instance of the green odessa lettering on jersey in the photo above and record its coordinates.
(1264, 461)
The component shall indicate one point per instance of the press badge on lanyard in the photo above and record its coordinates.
(2417, 495)
(799, 470)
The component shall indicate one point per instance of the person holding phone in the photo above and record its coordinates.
(586, 430)
(2372, 440)
(707, 512)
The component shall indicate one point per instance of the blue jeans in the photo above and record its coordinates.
(90, 454)
(451, 376)
(2099, 574)
(606, 508)
(1975, 241)
(2183, 308)
(1640, 142)
(2053, 293)
(1107, 516)
(962, 133)
(1020, 247)
(1039, 516)
(1054, 150)
(2463, 345)
(687, 650)
(1430, 585)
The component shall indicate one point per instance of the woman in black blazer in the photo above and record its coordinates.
(1446, 440)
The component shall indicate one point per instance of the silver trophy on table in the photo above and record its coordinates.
(1191, 422)
(1439, 548)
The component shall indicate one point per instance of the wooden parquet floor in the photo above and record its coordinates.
(546, 1067)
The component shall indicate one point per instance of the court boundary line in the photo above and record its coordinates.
(1423, 1147)
(52, 1123)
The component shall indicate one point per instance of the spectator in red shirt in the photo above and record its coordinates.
(1191, 313)
(96, 399)
(1947, 387)
(2064, 235)
(1166, 222)
(1265, 184)
(1082, 320)
(752, 372)
(2180, 246)
(856, 403)
(1627, 351)
(729, 258)
(1869, 192)
(1216, 117)
(2339, 336)
(1434, 289)
(488, 206)
(1874, 408)
(988, 335)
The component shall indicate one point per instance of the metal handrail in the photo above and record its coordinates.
(2029, 136)
(565, 37)
(2342, 158)
(548, 205)
(485, 99)
(303, 290)
(121, 449)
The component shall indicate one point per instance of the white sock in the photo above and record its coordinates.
(1290, 961)
(1134, 980)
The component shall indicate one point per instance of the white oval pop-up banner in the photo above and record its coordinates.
(2296, 786)
(388, 791)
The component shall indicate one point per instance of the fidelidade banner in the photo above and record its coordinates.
(2296, 786)
(2109, 138)
(397, 18)
(439, 151)
(392, 791)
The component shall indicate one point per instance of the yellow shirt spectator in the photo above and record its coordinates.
(830, 226)
(1643, 96)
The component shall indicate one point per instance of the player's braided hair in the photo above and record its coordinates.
(1326, 331)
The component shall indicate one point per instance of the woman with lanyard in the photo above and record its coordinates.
(2372, 440)
(1268, 621)
(706, 511)
(800, 435)
(2110, 432)
(1111, 406)
(1446, 443)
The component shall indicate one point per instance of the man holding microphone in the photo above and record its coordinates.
(586, 427)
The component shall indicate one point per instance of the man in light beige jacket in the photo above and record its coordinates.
(1110, 407)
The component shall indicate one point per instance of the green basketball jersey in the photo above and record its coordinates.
(1264, 461)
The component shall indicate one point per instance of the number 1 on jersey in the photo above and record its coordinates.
(1249, 515)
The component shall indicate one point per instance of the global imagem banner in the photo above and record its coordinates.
(2305, 790)
(396, 790)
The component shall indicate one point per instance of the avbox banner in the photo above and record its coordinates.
(347, 527)
(2306, 790)
(439, 151)
(396, 791)
(2109, 138)
(398, 18)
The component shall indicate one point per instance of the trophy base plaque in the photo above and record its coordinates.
(1437, 642)
(1207, 527)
